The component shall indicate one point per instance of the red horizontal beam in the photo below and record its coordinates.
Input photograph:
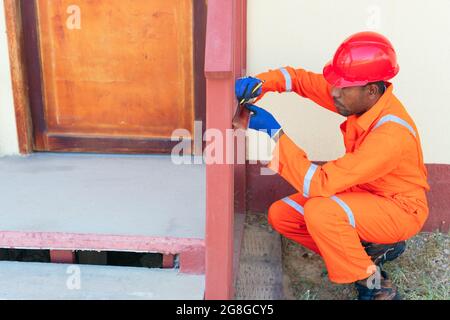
(60, 243)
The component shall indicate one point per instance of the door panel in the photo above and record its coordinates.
(115, 76)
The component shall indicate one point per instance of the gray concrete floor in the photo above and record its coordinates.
(102, 194)
(260, 274)
(44, 281)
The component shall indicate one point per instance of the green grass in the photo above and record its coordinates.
(422, 272)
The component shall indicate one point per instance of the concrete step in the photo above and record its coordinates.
(103, 194)
(95, 202)
(46, 281)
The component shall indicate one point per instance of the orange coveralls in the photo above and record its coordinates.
(376, 192)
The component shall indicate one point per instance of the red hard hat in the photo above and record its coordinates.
(363, 58)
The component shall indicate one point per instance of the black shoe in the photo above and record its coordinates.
(380, 253)
(385, 291)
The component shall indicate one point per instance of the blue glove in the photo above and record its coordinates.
(262, 120)
(248, 88)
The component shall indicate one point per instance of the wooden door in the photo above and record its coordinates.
(114, 75)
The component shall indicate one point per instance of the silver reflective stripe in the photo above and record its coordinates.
(391, 118)
(288, 79)
(347, 210)
(294, 205)
(307, 182)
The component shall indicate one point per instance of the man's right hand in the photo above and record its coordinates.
(248, 88)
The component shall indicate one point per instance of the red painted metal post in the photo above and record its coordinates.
(223, 64)
(168, 261)
(219, 201)
(62, 256)
(193, 261)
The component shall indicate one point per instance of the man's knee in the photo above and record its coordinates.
(275, 214)
(317, 211)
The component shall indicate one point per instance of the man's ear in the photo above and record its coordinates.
(373, 91)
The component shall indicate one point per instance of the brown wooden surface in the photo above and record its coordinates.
(200, 14)
(19, 75)
(126, 77)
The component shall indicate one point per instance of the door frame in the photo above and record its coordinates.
(28, 95)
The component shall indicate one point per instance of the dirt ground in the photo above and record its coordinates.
(421, 273)
(306, 276)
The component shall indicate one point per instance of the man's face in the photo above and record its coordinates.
(352, 100)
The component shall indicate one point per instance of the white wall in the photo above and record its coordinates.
(306, 33)
(8, 133)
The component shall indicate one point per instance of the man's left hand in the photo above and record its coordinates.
(262, 120)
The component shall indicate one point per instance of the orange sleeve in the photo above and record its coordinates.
(307, 84)
(379, 154)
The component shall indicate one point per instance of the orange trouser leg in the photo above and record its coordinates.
(287, 217)
(337, 225)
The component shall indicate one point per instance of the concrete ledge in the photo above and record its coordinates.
(93, 242)
(104, 203)
(42, 281)
(103, 194)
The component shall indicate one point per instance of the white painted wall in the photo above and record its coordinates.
(8, 133)
(306, 33)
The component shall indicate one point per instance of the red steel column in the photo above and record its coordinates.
(223, 64)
